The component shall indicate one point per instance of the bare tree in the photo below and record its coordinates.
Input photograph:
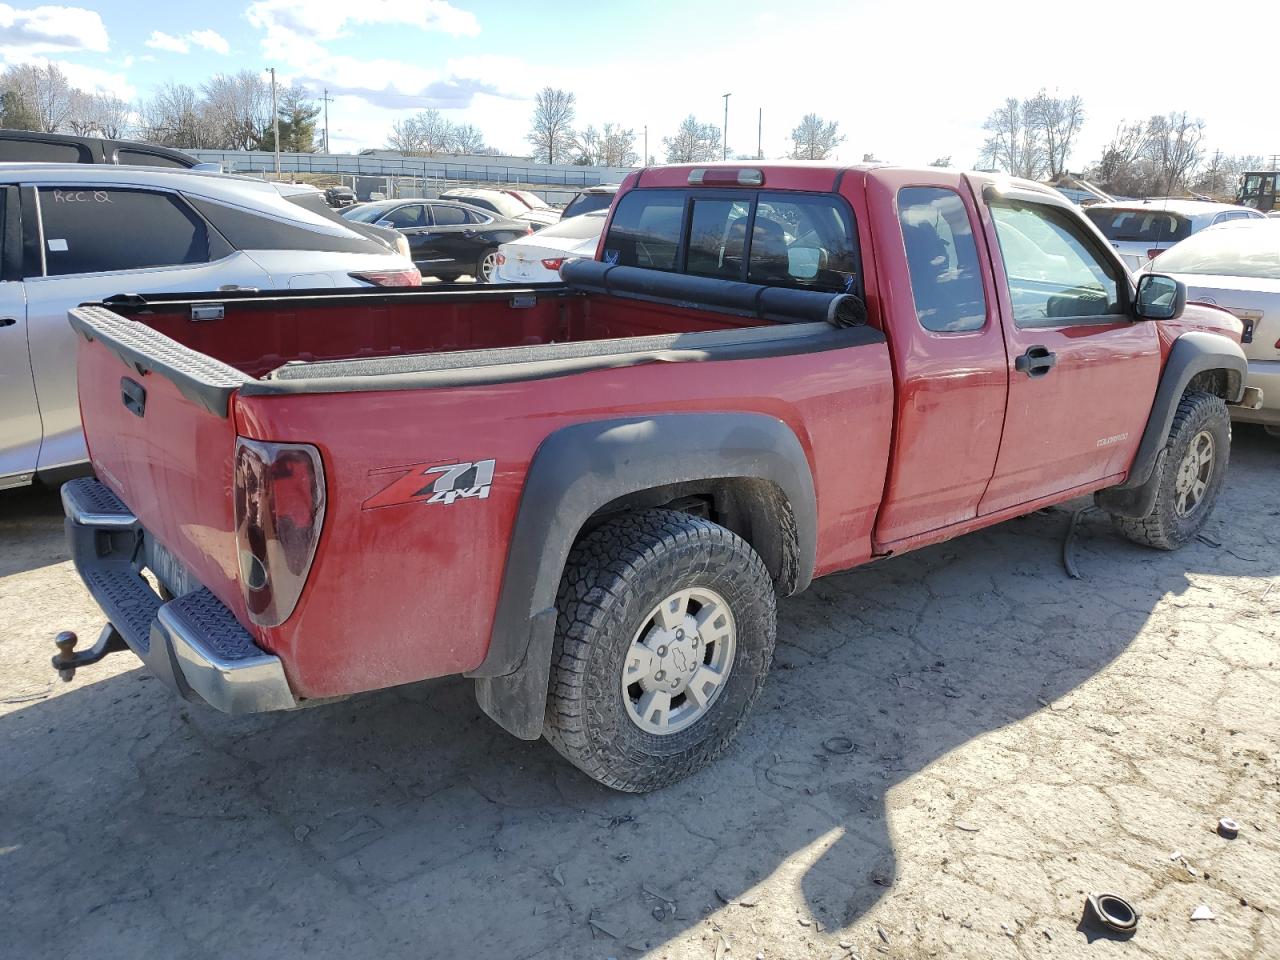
(694, 142)
(238, 108)
(1220, 174)
(1013, 143)
(552, 132)
(426, 134)
(611, 146)
(815, 139)
(80, 109)
(43, 92)
(112, 117)
(175, 116)
(1057, 121)
(467, 139)
(405, 136)
(1173, 145)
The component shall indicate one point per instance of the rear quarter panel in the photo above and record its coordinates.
(407, 590)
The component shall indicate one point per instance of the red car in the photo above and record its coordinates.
(588, 496)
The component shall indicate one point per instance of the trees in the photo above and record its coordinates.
(814, 139)
(43, 93)
(1057, 121)
(15, 114)
(693, 142)
(238, 108)
(1156, 157)
(175, 117)
(941, 161)
(428, 133)
(612, 146)
(1174, 146)
(1014, 142)
(552, 127)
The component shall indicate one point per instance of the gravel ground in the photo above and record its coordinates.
(1015, 739)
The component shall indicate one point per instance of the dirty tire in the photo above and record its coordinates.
(614, 577)
(1163, 528)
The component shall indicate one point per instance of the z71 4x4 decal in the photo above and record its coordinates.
(435, 483)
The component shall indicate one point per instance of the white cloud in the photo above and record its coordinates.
(210, 40)
(164, 41)
(49, 29)
(93, 80)
(294, 34)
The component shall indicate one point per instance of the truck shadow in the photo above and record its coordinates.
(405, 823)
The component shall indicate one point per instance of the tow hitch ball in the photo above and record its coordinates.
(66, 660)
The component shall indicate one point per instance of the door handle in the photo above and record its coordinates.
(1036, 362)
(7, 321)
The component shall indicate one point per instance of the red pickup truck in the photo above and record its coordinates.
(587, 495)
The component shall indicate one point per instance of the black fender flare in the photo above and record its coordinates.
(1192, 354)
(575, 472)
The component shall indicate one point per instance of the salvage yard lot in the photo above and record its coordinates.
(954, 748)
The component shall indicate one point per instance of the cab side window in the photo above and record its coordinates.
(98, 231)
(942, 259)
(444, 216)
(1055, 275)
(411, 215)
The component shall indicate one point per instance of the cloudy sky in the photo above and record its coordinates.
(906, 81)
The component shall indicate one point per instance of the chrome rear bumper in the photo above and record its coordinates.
(191, 642)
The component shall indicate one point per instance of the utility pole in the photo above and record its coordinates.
(644, 161)
(760, 135)
(327, 100)
(275, 120)
(724, 131)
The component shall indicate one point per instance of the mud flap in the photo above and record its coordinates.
(1135, 502)
(517, 702)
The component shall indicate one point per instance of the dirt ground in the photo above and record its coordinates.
(1018, 739)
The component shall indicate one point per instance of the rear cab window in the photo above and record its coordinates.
(788, 239)
(942, 260)
(1140, 226)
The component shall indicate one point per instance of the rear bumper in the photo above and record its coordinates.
(1265, 375)
(192, 642)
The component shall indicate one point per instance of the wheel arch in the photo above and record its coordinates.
(1198, 360)
(749, 468)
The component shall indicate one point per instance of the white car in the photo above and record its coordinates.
(1237, 266)
(538, 257)
(1141, 230)
(84, 232)
(505, 203)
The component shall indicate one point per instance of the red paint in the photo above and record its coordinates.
(910, 442)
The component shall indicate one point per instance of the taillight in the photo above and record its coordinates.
(528, 231)
(279, 509)
(1153, 253)
(553, 264)
(390, 278)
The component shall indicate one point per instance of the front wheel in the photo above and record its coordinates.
(1199, 447)
(487, 267)
(665, 634)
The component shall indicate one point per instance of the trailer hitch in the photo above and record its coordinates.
(67, 660)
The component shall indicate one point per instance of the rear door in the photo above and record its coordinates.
(1082, 373)
(96, 242)
(20, 419)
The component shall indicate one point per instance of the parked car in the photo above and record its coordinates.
(1142, 229)
(539, 257)
(588, 496)
(74, 233)
(530, 199)
(591, 198)
(1237, 266)
(447, 240)
(502, 204)
(27, 146)
(340, 197)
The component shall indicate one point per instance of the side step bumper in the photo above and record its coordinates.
(192, 642)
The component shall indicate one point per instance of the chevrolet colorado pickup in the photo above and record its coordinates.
(588, 495)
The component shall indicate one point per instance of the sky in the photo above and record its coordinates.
(907, 82)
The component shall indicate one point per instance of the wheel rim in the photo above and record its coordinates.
(1194, 473)
(487, 267)
(679, 661)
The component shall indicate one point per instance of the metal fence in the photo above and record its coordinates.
(422, 168)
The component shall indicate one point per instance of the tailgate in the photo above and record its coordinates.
(156, 416)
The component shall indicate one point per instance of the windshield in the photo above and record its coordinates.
(1245, 251)
(1140, 226)
(586, 202)
(369, 213)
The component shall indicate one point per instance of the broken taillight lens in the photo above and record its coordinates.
(390, 278)
(279, 509)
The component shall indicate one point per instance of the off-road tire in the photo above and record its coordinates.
(614, 577)
(1163, 528)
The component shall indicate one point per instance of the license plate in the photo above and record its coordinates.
(168, 569)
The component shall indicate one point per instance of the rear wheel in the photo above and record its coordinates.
(487, 267)
(664, 638)
(1199, 447)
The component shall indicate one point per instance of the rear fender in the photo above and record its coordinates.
(582, 468)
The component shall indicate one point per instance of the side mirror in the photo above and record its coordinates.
(1159, 297)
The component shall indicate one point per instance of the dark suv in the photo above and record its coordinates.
(28, 146)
